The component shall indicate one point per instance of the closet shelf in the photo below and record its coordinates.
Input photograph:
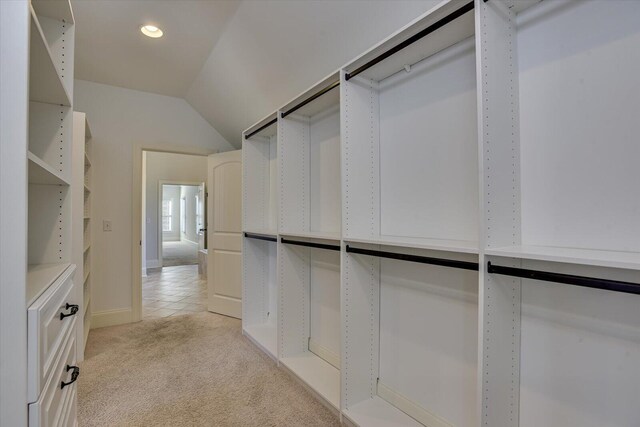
(457, 246)
(86, 276)
(42, 173)
(333, 238)
(441, 27)
(45, 83)
(317, 374)
(86, 247)
(377, 412)
(270, 233)
(87, 133)
(321, 97)
(56, 9)
(264, 335)
(87, 189)
(87, 161)
(600, 258)
(40, 277)
(264, 128)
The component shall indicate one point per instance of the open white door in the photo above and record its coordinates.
(224, 206)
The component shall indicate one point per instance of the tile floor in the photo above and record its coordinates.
(172, 291)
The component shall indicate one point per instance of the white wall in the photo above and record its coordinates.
(120, 118)
(189, 192)
(259, 65)
(174, 168)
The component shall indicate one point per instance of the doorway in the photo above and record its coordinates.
(181, 213)
(173, 220)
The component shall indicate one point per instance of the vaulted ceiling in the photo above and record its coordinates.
(233, 61)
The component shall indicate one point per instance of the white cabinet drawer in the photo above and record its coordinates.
(71, 413)
(48, 411)
(47, 330)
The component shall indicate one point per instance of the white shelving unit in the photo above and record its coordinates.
(457, 235)
(49, 148)
(260, 207)
(86, 287)
(410, 150)
(410, 140)
(82, 229)
(558, 143)
(38, 43)
(310, 213)
(309, 155)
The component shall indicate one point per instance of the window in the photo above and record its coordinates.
(199, 223)
(183, 215)
(167, 208)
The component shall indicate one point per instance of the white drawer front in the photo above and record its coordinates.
(71, 416)
(48, 411)
(47, 330)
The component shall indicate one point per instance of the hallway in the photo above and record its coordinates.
(172, 291)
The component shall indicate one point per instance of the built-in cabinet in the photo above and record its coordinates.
(82, 195)
(445, 232)
(38, 41)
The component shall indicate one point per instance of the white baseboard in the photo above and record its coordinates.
(153, 263)
(183, 239)
(324, 353)
(411, 408)
(100, 319)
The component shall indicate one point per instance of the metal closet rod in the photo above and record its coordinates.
(260, 237)
(261, 128)
(464, 265)
(310, 244)
(430, 29)
(569, 279)
(311, 98)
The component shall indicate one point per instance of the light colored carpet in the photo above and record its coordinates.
(179, 253)
(192, 370)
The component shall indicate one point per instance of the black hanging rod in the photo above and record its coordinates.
(569, 279)
(310, 244)
(311, 98)
(464, 265)
(261, 128)
(260, 237)
(430, 29)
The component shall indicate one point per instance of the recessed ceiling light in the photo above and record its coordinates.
(151, 31)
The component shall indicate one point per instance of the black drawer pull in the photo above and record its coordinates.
(74, 309)
(74, 376)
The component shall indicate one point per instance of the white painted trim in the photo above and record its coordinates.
(136, 214)
(324, 353)
(14, 114)
(120, 316)
(182, 239)
(411, 408)
(153, 263)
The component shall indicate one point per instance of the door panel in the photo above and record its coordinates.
(226, 271)
(224, 206)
